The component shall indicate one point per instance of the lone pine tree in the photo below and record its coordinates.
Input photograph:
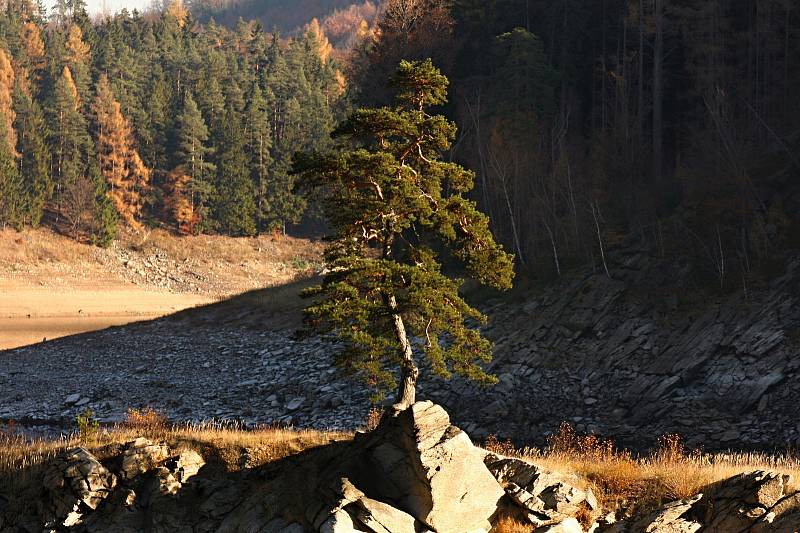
(395, 207)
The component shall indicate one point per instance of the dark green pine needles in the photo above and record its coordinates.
(395, 208)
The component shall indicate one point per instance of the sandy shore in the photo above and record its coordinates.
(29, 315)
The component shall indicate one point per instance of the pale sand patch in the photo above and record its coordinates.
(29, 315)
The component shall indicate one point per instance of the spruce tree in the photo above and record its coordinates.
(258, 141)
(395, 208)
(81, 192)
(235, 207)
(34, 156)
(193, 157)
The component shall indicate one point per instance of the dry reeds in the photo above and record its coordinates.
(641, 483)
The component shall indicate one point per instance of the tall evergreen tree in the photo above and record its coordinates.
(81, 192)
(193, 159)
(393, 204)
(34, 156)
(258, 142)
(235, 207)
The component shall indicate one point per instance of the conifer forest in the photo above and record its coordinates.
(154, 119)
(585, 122)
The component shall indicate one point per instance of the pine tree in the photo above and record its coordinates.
(125, 173)
(258, 142)
(235, 208)
(193, 154)
(13, 204)
(394, 205)
(34, 160)
(80, 190)
(157, 124)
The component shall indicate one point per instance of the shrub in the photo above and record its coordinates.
(147, 419)
(495, 445)
(87, 425)
(373, 418)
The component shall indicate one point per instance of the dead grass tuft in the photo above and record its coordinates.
(495, 445)
(147, 419)
(512, 525)
(373, 418)
(627, 484)
(22, 459)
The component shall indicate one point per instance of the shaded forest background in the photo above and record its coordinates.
(586, 121)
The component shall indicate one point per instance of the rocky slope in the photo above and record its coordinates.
(624, 356)
(415, 472)
(632, 355)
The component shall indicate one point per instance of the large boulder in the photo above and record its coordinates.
(754, 502)
(738, 503)
(76, 484)
(546, 498)
(428, 468)
(671, 518)
(140, 456)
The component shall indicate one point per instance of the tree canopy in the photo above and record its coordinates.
(156, 119)
(396, 208)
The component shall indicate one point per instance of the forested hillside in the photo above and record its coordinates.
(343, 21)
(285, 15)
(155, 119)
(589, 120)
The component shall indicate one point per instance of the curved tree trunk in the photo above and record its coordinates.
(409, 373)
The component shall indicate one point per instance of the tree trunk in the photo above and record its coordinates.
(658, 91)
(640, 102)
(409, 373)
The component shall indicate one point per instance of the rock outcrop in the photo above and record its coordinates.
(547, 499)
(418, 463)
(639, 354)
(75, 485)
(755, 502)
(414, 473)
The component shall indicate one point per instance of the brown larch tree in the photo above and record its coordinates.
(120, 163)
(7, 113)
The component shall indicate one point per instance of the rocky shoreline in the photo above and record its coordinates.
(618, 356)
(414, 472)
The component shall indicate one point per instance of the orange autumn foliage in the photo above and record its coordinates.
(7, 114)
(122, 167)
(177, 203)
(77, 50)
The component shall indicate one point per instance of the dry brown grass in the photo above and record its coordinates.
(624, 482)
(274, 248)
(223, 445)
(508, 524)
(39, 246)
(147, 419)
(373, 418)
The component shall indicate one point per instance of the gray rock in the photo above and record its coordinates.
(383, 518)
(76, 484)
(295, 403)
(141, 455)
(433, 470)
(72, 399)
